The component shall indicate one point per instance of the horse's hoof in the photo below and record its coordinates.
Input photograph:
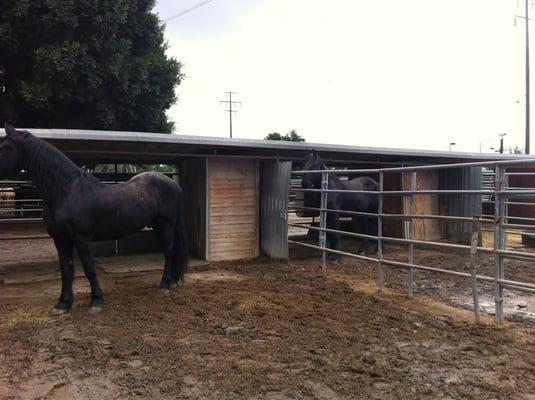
(58, 311)
(95, 309)
(166, 285)
(165, 292)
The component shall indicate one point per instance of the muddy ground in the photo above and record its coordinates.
(258, 330)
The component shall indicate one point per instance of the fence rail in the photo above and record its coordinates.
(495, 189)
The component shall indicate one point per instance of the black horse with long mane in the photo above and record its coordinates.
(78, 208)
(359, 202)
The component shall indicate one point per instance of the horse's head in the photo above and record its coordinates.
(10, 152)
(312, 163)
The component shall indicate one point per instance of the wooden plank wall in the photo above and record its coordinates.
(525, 182)
(233, 195)
(392, 205)
(424, 229)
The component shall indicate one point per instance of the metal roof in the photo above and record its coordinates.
(157, 147)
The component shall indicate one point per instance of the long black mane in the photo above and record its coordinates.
(49, 168)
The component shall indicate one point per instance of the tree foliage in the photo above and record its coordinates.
(96, 64)
(291, 136)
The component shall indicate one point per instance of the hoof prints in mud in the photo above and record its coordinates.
(277, 332)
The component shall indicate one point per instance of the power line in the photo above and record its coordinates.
(230, 102)
(188, 10)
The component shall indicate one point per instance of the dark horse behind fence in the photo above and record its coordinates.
(78, 208)
(360, 202)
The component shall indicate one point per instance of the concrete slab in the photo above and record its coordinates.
(31, 272)
(150, 262)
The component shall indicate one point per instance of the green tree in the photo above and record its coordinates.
(94, 64)
(273, 136)
(291, 136)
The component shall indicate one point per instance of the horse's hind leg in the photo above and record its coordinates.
(164, 232)
(64, 249)
(83, 247)
(373, 229)
(367, 229)
(359, 226)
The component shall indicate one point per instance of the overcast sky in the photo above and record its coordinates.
(390, 73)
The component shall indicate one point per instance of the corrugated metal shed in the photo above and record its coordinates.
(115, 145)
(462, 205)
(274, 202)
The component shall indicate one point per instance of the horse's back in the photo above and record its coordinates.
(360, 201)
(362, 183)
(152, 177)
(156, 183)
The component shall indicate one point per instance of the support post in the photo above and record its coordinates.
(412, 211)
(380, 271)
(499, 242)
(116, 181)
(323, 219)
(473, 266)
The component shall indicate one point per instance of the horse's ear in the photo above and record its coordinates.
(9, 129)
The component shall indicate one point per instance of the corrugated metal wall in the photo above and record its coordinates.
(274, 201)
(463, 205)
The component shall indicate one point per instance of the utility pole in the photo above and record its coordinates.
(501, 142)
(527, 77)
(230, 102)
(527, 19)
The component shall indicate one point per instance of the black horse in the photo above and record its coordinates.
(78, 208)
(360, 202)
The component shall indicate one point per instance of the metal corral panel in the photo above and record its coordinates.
(462, 205)
(274, 202)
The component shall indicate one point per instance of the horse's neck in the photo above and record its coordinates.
(49, 168)
(335, 182)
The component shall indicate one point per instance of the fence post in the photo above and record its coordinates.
(473, 265)
(499, 242)
(412, 211)
(380, 272)
(323, 219)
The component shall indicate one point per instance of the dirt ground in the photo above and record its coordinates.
(258, 330)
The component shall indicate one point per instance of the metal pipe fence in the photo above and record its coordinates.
(501, 196)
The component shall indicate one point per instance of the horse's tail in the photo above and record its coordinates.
(180, 245)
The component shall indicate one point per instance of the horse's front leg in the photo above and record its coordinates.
(83, 247)
(333, 222)
(64, 249)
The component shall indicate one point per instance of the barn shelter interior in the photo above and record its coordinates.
(236, 189)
